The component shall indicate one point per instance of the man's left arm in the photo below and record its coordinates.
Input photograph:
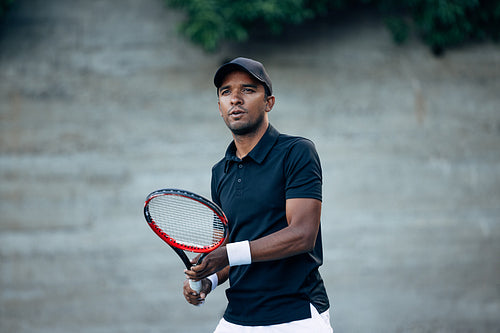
(303, 217)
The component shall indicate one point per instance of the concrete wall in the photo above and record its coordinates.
(102, 102)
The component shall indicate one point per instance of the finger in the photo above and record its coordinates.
(205, 267)
(200, 267)
(191, 296)
(190, 275)
(198, 272)
(194, 299)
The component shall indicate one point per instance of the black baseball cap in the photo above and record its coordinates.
(254, 68)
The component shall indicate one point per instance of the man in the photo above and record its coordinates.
(269, 186)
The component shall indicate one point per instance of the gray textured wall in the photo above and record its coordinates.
(101, 102)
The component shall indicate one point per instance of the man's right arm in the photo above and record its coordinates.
(222, 276)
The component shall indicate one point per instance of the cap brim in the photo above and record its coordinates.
(226, 69)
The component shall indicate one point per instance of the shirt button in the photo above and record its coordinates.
(239, 180)
(240, 166)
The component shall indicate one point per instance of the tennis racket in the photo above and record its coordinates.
(187, 222)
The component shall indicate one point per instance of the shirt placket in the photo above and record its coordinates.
(239, 178)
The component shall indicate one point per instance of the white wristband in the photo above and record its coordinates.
(239, 253)
(214, 279)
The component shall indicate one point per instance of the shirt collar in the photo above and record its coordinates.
(259, 152)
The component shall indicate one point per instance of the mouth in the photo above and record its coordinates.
(236, 113)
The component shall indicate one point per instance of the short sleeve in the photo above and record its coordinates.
(213, 185)
(303, 171)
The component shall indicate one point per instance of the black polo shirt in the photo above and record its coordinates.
(252, 192)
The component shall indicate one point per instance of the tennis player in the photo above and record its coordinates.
(270, 187)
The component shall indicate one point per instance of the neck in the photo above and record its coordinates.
(245, 143)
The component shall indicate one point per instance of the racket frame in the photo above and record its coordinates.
(178, 247)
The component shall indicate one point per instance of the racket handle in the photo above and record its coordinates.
(195, 285)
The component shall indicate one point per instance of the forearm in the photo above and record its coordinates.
(281, 244)
(223, 275)
(299, 236)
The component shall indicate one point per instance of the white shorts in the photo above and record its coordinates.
(318, 323)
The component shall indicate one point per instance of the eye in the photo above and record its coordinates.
(248, 90)
(225, 92)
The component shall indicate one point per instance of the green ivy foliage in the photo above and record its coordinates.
(211, 21)
(441, 24)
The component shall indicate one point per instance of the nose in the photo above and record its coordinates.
(236, 98)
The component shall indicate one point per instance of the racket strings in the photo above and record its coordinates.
(188, 221)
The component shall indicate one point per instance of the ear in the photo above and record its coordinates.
(270, 103)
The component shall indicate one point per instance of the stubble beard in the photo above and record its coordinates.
(246, 129)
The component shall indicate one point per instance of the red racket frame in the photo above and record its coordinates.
(190, 195)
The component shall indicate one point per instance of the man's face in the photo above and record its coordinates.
(243, 103)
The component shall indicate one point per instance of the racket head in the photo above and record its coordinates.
(186, 220)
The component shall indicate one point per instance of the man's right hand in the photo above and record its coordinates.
(192, 296)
